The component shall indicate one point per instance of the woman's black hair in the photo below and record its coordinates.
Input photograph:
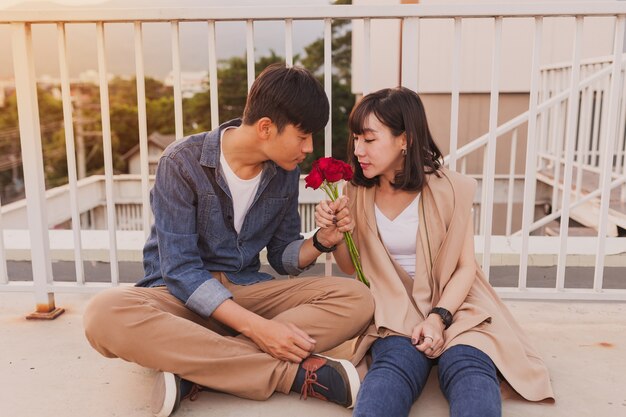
(402, 111)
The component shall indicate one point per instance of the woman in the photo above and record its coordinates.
(411, 220)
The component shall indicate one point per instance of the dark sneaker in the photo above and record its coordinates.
(168, 391)
(328, 379)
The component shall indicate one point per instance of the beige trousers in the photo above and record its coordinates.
(152, 328)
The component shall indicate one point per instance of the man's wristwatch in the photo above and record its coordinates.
(320, 247)
(445, 315)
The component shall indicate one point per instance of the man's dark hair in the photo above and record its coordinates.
(402, 111)
(287, 96)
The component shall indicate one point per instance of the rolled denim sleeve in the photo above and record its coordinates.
(207, 297)
(174, 201)
(291, 258)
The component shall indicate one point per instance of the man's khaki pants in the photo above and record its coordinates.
(152, 328)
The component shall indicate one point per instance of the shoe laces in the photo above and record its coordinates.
(193, 393)
(310, 380)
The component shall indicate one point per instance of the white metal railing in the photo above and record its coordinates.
(129, 210)
(592, 118)
(535, 119)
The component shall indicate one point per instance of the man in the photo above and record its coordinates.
(203, 315)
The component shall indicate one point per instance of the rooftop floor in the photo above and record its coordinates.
(48, 368)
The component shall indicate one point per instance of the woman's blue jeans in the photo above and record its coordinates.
(467, 377)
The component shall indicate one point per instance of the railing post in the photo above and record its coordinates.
(328, 88)
(32, 159)
(608, 149)
(143, 129)
(489, 171)
(4, 275)
(410, 47)
(251, 72)
(570, 138)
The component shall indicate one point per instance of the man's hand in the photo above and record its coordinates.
(283, 341)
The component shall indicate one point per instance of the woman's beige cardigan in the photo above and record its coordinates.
(482, 321)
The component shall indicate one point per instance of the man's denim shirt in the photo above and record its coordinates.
(194, 233)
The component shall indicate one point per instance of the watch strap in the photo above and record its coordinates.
(320, 247)
(446, 316)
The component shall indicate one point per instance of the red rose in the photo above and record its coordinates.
(315, 178)
(347, 172)
(332, 169)
(325, 172)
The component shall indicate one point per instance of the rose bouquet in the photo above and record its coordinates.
(325, 173)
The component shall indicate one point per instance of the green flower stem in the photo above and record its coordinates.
(332, 192)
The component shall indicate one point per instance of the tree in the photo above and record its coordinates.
(341, 79)
(232, 78)
(51, 122)
(232, 87)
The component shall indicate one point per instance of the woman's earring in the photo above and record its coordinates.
(403, 151)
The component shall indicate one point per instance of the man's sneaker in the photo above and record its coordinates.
(168, 391)
(328, 379)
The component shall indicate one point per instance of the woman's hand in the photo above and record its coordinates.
(427, 336)
(334, 219)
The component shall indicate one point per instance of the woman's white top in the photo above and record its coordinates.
(400, 235)
(242, 191)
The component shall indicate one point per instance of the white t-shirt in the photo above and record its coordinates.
(242, 191)
(400, 235)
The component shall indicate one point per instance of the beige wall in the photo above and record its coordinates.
(474, 122)
(436, 42)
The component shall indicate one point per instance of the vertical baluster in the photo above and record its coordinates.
(597, 119)
(583, 138)
(328, 88)
(621, 123)
(143, 129)
(32, 162)
(511, 194)
(558, 130)
(367, 62)
(607, 152)
(250, 52)
(456, 85)
(572, 111)
(4, 275)
(70, 152)
(289, 42)
(489, 178)
(108, 153)
(410, 46)
(213, 87)
(528, 209)
(178, 95)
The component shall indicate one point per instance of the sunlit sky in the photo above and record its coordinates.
(156, 3)
(8, 3)
(120, 46)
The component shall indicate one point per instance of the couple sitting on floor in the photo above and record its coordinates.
(206, 317)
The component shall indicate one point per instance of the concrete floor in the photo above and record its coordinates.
(48, 368)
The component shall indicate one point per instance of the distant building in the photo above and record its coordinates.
(157, 143)
(191, 83)
(92, 77)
